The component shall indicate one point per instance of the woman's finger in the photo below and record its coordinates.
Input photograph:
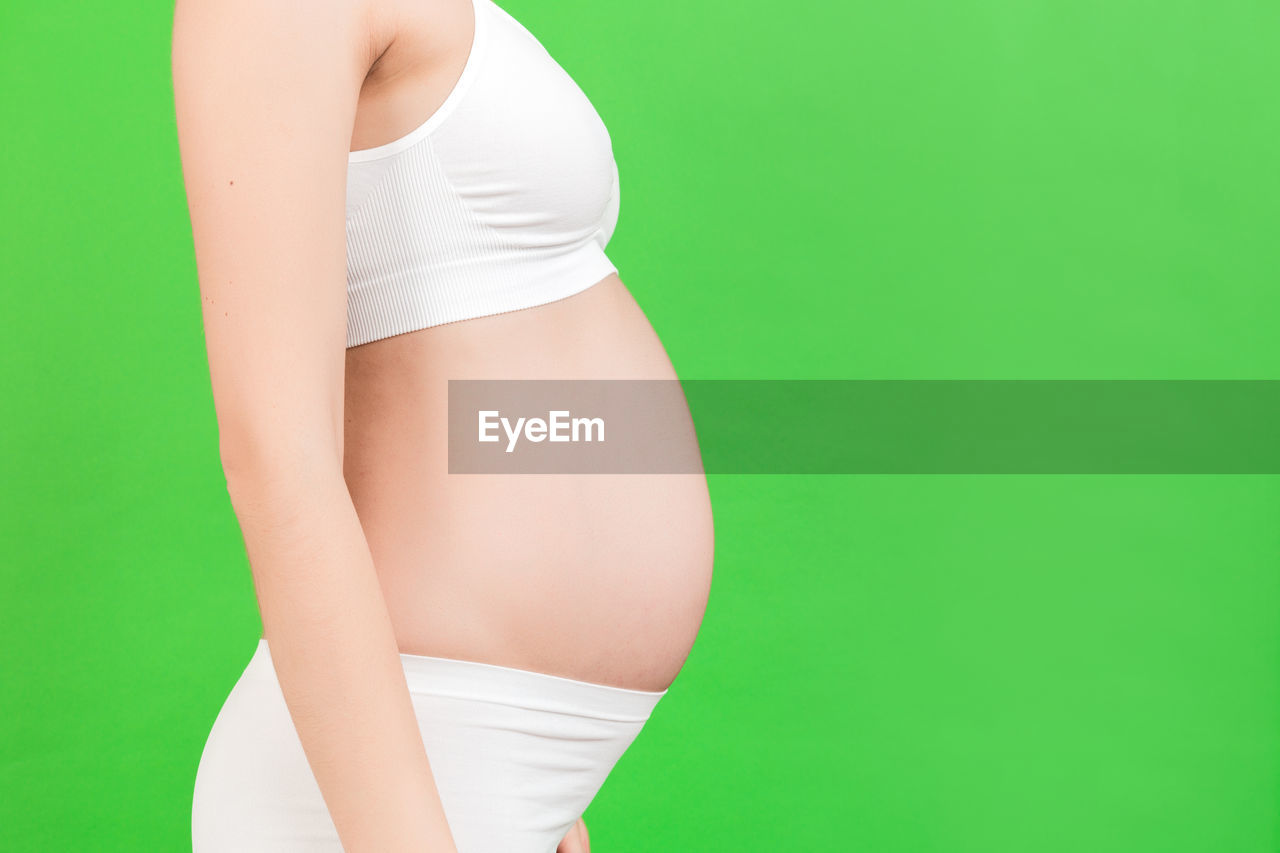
(575, 840)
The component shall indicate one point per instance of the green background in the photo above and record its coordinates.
(965, 189)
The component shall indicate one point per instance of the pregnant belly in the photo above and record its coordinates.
(598, 577)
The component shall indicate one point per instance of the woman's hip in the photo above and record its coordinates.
(517, 756)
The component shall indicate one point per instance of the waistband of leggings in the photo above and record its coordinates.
(522, 688)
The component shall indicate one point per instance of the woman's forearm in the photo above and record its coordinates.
(330, 637)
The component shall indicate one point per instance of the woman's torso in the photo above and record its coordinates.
(597, 577)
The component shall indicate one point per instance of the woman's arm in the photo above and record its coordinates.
(266, 92)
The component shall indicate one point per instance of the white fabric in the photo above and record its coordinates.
(517, 757)
(504, 198)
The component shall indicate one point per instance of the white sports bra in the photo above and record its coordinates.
(504, 198)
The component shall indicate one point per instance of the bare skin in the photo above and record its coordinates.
(602, 578)
(599, 578)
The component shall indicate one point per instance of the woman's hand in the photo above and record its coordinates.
(576, 841)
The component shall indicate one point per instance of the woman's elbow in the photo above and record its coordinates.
(261, 462)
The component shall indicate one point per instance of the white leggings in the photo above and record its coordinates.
(517, 757)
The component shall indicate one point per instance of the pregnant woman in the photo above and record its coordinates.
(386, 195)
